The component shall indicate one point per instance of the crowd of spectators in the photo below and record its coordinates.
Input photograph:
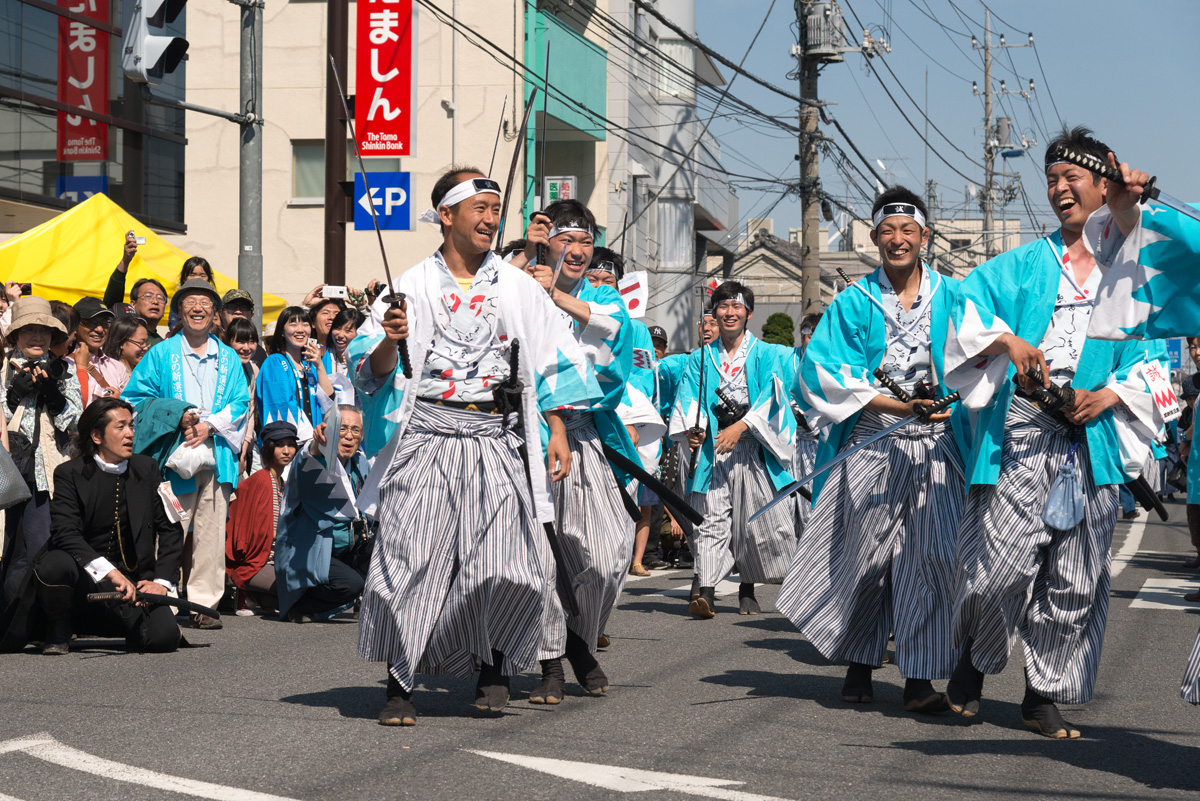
(223, 414)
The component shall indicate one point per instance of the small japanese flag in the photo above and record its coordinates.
(711, 287)
(635, 292)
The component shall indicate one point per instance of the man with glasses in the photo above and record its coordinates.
(196, 383)
(147, 296)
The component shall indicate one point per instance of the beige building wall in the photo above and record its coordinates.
(294, 59)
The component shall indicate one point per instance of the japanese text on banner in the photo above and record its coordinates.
(82, 82)
(385, 75)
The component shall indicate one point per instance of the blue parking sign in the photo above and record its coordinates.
(392, 200)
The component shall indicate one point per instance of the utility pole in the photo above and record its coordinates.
(250, 259)
(810, 182)
(337, 25)
(990, 141)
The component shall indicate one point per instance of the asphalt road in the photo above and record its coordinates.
(739, 708)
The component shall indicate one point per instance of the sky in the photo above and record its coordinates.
(1120, 68)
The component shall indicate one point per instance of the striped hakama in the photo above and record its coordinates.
(805, 459)
(1016, 575)
(461, 566)
(1190, 691)
(761, 550)
(596, 535)
(877, 555)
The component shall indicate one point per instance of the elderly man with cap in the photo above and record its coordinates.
(100, 376)
(877, 554)
(195, 368)
(42, 404)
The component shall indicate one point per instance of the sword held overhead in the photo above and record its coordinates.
(1149, 191)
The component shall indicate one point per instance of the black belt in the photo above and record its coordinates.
(484, 407)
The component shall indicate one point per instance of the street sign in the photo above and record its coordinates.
(386, 72)
(1175, 349)
(78, 188)
(560, 187)
(83, 84)
(392, 199)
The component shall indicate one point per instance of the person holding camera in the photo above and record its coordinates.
(42, 399)
(293, 384)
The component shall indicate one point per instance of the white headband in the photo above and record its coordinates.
(603, 267)
(898, 210)
(735, 299)
(555, 230)
(467, 189)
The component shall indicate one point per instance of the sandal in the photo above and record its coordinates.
(638, 570)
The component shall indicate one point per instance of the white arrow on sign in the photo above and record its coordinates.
(628, 780)
(393, 196)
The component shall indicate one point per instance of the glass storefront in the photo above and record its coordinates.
(70, 122)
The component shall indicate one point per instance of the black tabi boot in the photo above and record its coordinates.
(58, 637)
(491, 693)
(704, 605)
(1041, 714)
(920, 697)
(747, 603)
(694, 593)
(858, 689)
(550, 691)
(399, 710)
(586, 668)
(965, 689)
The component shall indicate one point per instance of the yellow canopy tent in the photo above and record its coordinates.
(72, 256)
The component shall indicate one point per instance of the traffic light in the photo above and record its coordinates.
(146, 55)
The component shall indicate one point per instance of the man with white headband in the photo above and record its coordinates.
(1027, 567)
(594, 514)
(462, 569)
(877, 553)
(744, 439)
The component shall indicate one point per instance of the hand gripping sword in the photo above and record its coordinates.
(920, 414)
(394, 299)
(1150, 191)
(155, 600)
(1056, 399)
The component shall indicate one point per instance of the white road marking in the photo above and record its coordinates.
(4, 797)
(1165, 593)
(46, 748)
(1129, 548)
(628, 780)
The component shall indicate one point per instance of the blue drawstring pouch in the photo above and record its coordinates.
(1064, 502)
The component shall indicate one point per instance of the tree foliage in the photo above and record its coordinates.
(779, 330)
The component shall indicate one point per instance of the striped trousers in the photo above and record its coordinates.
(877, 555)
(739, 486)
(803, 461)
(1190, 691)
(460, 566)
(1018, 576)
(596, 534)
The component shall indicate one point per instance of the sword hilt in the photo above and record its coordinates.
(845, 277)
(1054, 398)
(395, 300)
(890, 385)
(1099, 167)
(937, 406)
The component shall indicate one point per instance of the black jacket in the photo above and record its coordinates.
(76, 499)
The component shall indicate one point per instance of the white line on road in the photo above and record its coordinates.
(1129, 548)
(46, 748)
(1165, 593)
(628, 780)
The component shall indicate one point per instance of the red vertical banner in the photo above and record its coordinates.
(385, 77)
(82, 82)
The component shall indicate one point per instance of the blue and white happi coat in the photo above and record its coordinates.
(1017, 293)
(160, 375)
(1150, 288)
(836, 373)
(553, 367)
(279, 393)
(770, 418)
(639, 405)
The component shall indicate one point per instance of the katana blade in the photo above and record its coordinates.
(1162, 198)
(846, 453)
(791, 489)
